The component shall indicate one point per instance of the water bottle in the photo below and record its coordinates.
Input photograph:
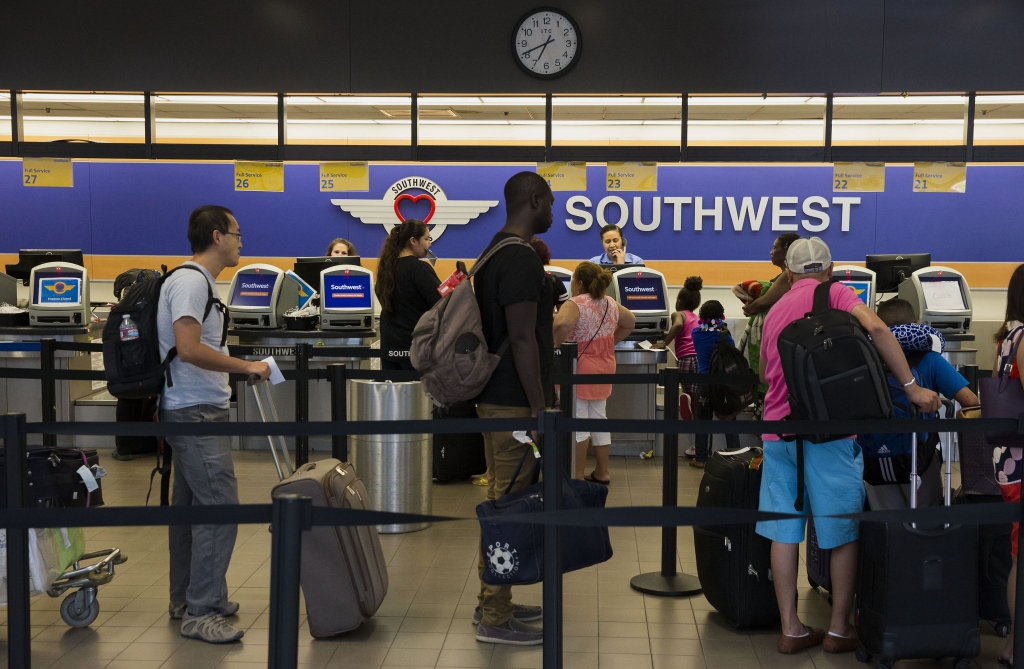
(129, 330)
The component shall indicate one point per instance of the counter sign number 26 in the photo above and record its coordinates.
(546, 43)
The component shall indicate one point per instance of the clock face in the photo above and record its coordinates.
(546, 43)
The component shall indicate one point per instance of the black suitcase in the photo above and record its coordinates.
(917, 591)
(457, 457)
(994, 562)
(53, 479)
(977, 476)
(733, 562)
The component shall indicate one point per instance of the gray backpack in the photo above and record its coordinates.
(448, 344)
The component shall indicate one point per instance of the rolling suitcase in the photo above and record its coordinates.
(458, 456)
(344, 577)
(734, 562)
(917, 589)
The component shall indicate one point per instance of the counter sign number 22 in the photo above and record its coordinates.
(546, 43)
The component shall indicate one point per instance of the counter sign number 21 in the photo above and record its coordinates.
(546, 43)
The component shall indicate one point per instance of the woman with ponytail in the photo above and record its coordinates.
(406, 288)
(597, 323)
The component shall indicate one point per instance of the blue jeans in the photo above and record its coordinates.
(204, 473)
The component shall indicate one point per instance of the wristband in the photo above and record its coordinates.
(909, 383)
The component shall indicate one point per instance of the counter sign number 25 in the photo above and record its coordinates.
(546, 43)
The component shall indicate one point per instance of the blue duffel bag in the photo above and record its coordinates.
(514, 552)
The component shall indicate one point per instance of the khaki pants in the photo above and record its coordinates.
(503, 453)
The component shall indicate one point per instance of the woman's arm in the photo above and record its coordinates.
(678, 320)
(627, 321)
(778, 288)
(565, 320)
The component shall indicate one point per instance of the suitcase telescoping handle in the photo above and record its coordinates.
(274, 440)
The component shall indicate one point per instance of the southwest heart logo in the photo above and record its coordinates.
(59, 287)
(387, 211)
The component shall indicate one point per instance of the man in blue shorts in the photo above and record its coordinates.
(833, 471)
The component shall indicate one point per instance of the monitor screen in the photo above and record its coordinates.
(942, 294)
(309, 269)
(253, 289)
(861, 288)
(644, 293)
(346, 291)
(53, 288)
(893, 269)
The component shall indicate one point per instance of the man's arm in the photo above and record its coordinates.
(522, 322)
(191, 349)
(966, 397)
(890, 351)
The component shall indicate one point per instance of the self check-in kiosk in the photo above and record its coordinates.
(562, 274)
(644, 292)
(346, 298)
(859, 279)
(59, 295)
(259, 296)
(940, 297)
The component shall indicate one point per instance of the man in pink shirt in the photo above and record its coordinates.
(833, 471)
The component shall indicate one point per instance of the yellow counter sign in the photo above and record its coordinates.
(631, 176)
(52, 172)
(940, 177)
(259, 176)
(344, 177)
(564, 176)
(859, 177)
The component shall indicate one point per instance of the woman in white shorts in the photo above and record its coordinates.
(596, 323)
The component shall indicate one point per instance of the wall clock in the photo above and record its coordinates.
(547, 43)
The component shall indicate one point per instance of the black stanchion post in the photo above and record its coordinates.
(302, 354)
(47, 363)
(554, 466)
(19, 648)
(669, 582)
(339, 410)
(291, 514)
(567, 399)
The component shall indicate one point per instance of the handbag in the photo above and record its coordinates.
(514, 552)
(1002, 396)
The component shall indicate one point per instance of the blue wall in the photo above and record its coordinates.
(141, 208)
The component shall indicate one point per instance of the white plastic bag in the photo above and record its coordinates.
(42, 562)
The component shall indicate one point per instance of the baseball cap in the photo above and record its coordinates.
(808, 256)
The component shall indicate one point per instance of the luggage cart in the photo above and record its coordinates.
(80, 608)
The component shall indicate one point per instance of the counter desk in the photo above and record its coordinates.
(281, 345)
(19, 349)
(634, 401)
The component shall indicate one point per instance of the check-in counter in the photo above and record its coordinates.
(960, 350)
(281, 345)
(19, 349)
(634, 401)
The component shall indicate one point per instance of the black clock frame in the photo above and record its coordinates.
(572, 63)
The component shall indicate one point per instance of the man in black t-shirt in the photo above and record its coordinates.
(515, 301)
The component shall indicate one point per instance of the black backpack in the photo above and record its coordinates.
(832, 371)
(133, 368)
(729, 400)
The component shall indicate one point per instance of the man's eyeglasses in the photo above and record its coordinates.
(235, 234)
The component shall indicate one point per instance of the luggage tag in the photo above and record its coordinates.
(523, 438)
(449, 284)
(88, 478)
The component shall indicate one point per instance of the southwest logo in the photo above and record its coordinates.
(59, 287)
(388, 210)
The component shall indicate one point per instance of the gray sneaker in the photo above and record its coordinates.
(512, 633)
(211, 628)
(520, 612)
(177, 609)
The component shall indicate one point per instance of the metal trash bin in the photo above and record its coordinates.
(395, 468)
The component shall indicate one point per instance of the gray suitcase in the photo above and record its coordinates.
(344, 577)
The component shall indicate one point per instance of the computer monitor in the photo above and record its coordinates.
(29, 258)
(643, 291)
(893, 269)
(941, 298)
(613, 268)
(309, 269)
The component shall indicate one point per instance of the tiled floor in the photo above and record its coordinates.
(425, 619)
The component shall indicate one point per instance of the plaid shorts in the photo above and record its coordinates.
(688, 365)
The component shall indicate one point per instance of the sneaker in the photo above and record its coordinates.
(210, 627)
(126, 457)
(512, 633)
(520, 612)
(691, 452)
(177, 609)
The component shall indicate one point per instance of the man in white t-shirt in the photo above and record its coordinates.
(203, 470)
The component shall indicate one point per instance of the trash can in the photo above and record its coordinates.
(395, 468)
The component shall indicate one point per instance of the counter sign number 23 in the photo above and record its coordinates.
(546, 43)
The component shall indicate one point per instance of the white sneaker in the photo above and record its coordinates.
(211, 628)
(691, 452)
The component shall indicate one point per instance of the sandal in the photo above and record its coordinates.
(481, 480)
(590, 477)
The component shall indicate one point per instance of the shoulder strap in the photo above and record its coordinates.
(505, 243)
(596, 332)
(1006, 362)
(211, 301)
(821, 297)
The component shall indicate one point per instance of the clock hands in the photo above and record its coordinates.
(550, 39)
(545, 46)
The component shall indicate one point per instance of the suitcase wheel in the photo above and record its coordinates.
(962, 663)
(1002, 629)
(863, 655)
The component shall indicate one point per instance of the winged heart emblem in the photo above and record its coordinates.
(388, 211)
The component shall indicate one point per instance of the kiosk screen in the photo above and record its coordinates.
(57, 289)
(942, 294)
(343, 291)
(253, 290)
(861, 288)
(642, 293)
